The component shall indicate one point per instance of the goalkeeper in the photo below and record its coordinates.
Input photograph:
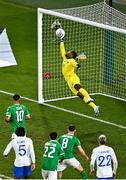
(69, 66)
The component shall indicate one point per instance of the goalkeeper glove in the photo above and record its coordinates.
(56, 25)
(81, 56)
(62, 39)
(78, 66)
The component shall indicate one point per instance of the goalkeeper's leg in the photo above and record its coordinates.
(76, 88)
(83, 94)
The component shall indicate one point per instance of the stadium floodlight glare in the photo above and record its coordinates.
(97, 30)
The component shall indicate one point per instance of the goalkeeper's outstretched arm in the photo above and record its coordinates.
(62, 50)
(56, 26)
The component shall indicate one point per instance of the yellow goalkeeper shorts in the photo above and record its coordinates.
(72, 81)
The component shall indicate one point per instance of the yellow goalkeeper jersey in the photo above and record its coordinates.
(68, 65)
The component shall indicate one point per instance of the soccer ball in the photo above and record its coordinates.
(82, 56)
(60, 33)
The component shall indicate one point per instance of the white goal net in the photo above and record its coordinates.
(100, 32)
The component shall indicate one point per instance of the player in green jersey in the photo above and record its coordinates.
(16, 114)
(52, 153)
(69, 142)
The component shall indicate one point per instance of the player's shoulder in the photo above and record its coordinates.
(71, 60)
(62, 136)
(76, 141)
(28, 139)
(57, 143)
(96, 149)
(103, 148)
(109, 148)
(10, 107)
(53, 143)
(22, 105)
(66, 136)
(13, 141)
(76, 138)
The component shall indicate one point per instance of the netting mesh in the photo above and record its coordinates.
(104, 71)
(114, 64)
(99, 12)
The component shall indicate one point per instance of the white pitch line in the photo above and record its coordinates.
(68, 111)
(86, 116)
(6, 177)
(11, 94)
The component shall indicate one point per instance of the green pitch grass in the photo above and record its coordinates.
(20, 22)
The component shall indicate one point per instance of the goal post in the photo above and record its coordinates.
(104, 71)
(40, 72)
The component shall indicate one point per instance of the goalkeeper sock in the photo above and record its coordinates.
(90, 102)
(84, 175)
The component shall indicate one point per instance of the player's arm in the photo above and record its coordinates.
(61, 154)
(28, 117)
(62, 50)
(27, 113)
(32, 154)
(78, 66)
(82, 152)
(115, 164)
(92, 163)
(7, 119)
(55, 26)
(7, 149)
(75, 64)
(8, 115)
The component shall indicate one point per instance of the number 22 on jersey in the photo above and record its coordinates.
(104, 161)
(49, 151)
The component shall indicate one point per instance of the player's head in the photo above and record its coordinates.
(16, 97)
(102, 139)
(71, 54)
(53, 135)
(20, 131)
(72, 129)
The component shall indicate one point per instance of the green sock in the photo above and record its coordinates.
(84, 175)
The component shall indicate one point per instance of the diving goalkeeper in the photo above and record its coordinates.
(69, 66)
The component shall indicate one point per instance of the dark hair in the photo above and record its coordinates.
(20, 131)
(53, 135)
(16, 97)
(71, 128)
(71, 54)
(102, 139)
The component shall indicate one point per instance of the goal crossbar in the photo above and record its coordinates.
(84, 21)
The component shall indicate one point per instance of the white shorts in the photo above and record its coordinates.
(50, 175)
(68, 162)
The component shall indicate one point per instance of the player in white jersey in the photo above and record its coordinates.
(104, 157)
(24, 152)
